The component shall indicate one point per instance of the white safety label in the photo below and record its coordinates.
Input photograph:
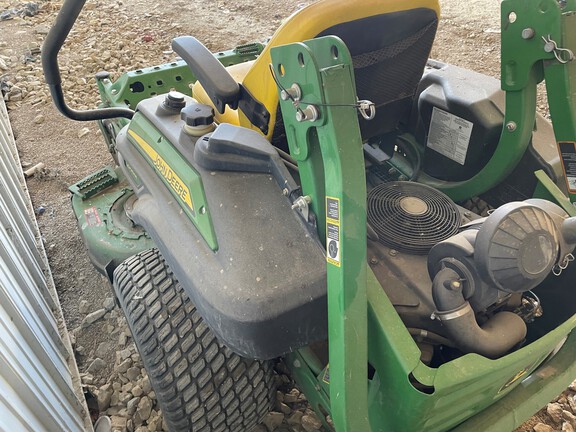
(333, 231)
(449, 135)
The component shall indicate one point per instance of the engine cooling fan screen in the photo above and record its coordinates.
(411, 217)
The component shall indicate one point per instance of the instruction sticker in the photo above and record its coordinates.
(449, 135)
(333, 231)
(568, 156)
(92, 217)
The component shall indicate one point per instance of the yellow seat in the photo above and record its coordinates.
(375, 31)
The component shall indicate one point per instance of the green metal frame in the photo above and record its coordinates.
(333, 177)
(134, 86)
(469, 392)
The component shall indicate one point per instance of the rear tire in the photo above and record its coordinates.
(200, 384)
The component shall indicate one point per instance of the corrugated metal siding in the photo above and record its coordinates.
(36, 383)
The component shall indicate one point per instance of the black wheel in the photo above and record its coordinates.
(201, 385)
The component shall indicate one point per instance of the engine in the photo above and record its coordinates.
(460, 282)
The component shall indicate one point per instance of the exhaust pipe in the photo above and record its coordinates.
(493, 339)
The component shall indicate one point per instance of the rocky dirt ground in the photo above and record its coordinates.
(127, 34)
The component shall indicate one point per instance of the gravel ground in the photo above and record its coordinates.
(122, 35)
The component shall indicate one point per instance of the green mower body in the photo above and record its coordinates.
(417, 264)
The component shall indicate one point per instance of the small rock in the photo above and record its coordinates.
(109, 303)
(146, 386)
(93, 317)
(122, 339)
(124, 354)
(97, 365)
(541, 427)
(83, 307)
(282, 407)
(554, 410)
(291, 397)
(124, 366)
(572, 403)
(311, 423)
(137, 391)
(132, 405)
(123, 398)
(118, 424)
(573, 386)
(279, 396)
(133, 373)
(3, 65)
(115, 398)
(14, 97)
(295, 418)
(87, 379)
(39, 119)
(83, 132)
(569, 417)
(272, 420)
(102, 350)
(144, 408)
(567, 427)
(112, 411)
(42, 30)
(260, 428)
(127, 387)
(104, 396)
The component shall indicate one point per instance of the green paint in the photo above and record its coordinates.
(100, 220)
(561, 89)
(331, 161)
(135, 86)
(464, 393)
(183, 182)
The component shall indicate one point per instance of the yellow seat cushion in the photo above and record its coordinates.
(305, 24)
(238, 72)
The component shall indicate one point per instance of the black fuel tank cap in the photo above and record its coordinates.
(197, 114)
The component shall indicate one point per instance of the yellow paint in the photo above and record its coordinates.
(162, 167)
(305, 24)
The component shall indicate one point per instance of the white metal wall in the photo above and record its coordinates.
(37, 389)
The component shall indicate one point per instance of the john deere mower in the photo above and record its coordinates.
(397, 231)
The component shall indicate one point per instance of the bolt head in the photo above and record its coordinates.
(511, 126)
(455, 285)
(528, 33)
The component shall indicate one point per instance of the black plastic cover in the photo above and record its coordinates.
(263, 292)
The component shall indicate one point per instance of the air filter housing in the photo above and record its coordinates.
(411, 217)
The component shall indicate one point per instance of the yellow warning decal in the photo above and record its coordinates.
(175, 182)
(333, 231)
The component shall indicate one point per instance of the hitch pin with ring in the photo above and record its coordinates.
(558, 268)
(563, 55)
(367, 109)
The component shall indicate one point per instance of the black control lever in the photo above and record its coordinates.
(217, 82)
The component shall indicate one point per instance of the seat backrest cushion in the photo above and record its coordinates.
(385, 30)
